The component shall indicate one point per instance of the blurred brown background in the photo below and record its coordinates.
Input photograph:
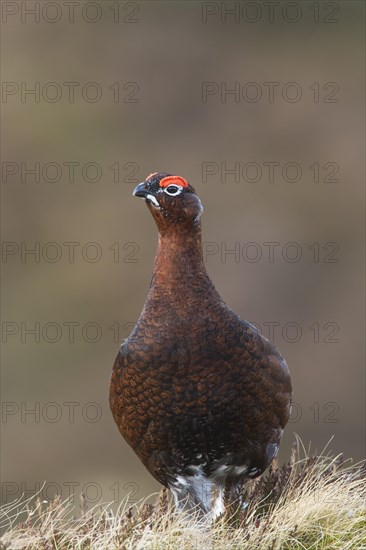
(123, 89)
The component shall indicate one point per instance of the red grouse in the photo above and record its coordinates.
(199, 394)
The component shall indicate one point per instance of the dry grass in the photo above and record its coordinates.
(308, 503)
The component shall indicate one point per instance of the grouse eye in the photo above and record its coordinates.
(173, 190)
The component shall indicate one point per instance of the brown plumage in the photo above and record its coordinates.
(199, 394)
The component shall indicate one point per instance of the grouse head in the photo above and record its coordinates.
(171, 200)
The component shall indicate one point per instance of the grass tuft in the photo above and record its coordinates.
(311, 502)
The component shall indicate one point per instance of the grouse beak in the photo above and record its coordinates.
(141, 191)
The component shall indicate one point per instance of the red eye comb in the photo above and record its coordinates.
(178, 180)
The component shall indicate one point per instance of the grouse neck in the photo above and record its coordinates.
(179, 258)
